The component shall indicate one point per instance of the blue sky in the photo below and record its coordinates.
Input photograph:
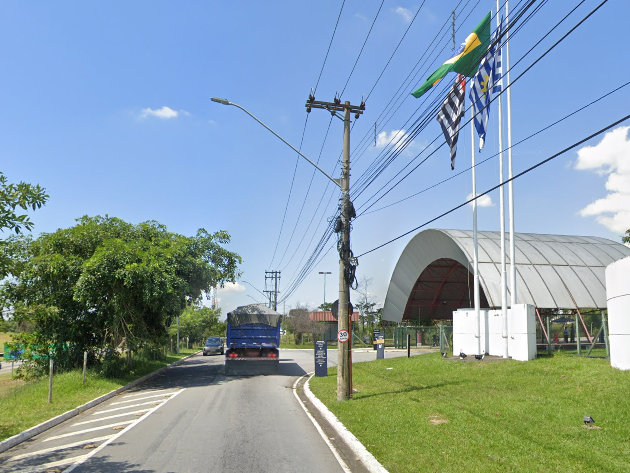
(107, 105)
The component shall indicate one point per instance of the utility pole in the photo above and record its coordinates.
(273, 294)
(347, 262)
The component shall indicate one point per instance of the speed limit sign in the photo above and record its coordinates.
(342, 335)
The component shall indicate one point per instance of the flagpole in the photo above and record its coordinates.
(475, 254)
(502, 206)
(510, 174)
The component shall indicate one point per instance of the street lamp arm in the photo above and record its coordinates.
(227, 102)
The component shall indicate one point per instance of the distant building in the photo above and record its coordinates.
(330, 322)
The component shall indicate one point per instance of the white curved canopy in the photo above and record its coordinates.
(433, 275)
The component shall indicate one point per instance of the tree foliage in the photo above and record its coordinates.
(369, 316)
(300, 323)
(197, 323)
(105, 283)
(626, 238)
(15, 201)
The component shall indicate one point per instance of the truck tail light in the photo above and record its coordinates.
(273, 355)
(232, 355)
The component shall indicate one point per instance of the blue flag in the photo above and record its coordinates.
(486, 81)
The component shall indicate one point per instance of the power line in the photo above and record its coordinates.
(496, 154)
(544, 161)
(493, 99)
(364, 43)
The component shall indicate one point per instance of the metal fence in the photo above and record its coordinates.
(429, 336)
(582, 333)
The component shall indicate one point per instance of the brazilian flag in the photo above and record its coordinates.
(465, 59)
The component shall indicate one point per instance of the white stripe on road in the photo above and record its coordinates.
(141, 393)
(110, 417)
(70, 434)
(139, 399)
(60, 447)
(342, 463)
(127, 429)
(126, 407)
(47, 466)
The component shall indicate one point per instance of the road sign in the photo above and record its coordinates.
(343, 335)
(335, 308)
(321, 358)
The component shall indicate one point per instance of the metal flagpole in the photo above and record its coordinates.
(475, 256)
(502, 206)
(510, 186)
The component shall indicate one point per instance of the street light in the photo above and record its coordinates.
(344, 373)
(325, 273)
(227, 102)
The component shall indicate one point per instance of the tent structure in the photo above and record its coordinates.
(433, 276)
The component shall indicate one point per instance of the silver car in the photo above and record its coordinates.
(213, 346)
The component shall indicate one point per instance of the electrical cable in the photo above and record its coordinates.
(494, 98)
(504, 150)
(516, 176)
(361, 52)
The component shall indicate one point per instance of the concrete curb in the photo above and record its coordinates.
(361, 452)
(38, 429)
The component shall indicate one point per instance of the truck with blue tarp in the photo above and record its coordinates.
(252, 340)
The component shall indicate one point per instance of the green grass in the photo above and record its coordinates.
(427, 414)
(25, 404)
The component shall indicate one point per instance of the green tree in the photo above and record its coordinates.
(198, 323)
(15, 201)
(326, 306)
(626, 238)
(366, 304)
(105, 283)
(300, 323)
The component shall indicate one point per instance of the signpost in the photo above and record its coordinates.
(321, 358)
(379, 344)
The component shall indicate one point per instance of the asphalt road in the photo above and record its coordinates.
(192, 418)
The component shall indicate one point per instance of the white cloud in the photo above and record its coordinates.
(360, 17)
(212, 122)
(406, 14)
(231, 287)
(164, 112)
(395, 138)
(483, 201)
(611, 156)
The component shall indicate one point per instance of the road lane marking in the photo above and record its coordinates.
(110, 417)
(46, 466)
(93, 429)
(60, 447)
(124, 407)
(335, 452)
(140, 399)
(125, 430)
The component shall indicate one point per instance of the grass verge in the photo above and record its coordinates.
(427, 414)
(25, 404)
